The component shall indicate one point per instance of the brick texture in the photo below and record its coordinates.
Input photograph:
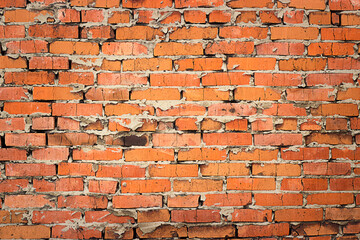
(163, 119)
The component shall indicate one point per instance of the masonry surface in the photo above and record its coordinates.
(140, 119)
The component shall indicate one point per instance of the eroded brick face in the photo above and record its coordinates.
(207, 119)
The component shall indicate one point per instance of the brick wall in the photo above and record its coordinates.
(180, 118)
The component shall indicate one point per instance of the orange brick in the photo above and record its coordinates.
(243, 32)
(197, 185)
(299, 33)
(194, 16)
(251, 63)
(138, 32)
(251, 184)
(145, 186)
(173, 48)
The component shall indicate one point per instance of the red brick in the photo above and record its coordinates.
(160, 139)
(163, 49)
(11, 124)
(201, 154)
(278, 199)
(315, 229)
(310, 94)
(278, 139)
(8, 62)
(254, 155)
(246, 17)
(75, 233)
(343, 214)
(60, 185)
(164, 231)
(138, 201)
(49, 63)
(24, 232)
(330, 198)
(27, 201)
(160, 215)
(195, 216)
(182, 110)
(320, 18)
(298, 33)
(24, 15)
(269, 17)
(12, 31)
(11, 3)
(68, 15)
(232, 139)
(29, 169)
(145, 186)
(119, 17)
(197, 185)
(324, 168)
(228, 78)
(305, 153)
(293, 17)
(100, 32)
(13, 216)
(147, 64)
(30, 46)
(82, 202)
(92, 15)
(329, 138)
(138, 32)
(69, 139)
(53, 31)
(194, 16)
(299, 215)
(243, 32)
(48, 216)
(76, 109)
(224, 169)
(280, 49)
(29, 78)
(344, 184)
(220, 16)
(211, 231)
(342, 109)
(75, 169)
(105, 216)
(251, 93)
(25, 139)
(247, 4)
(198, 3)
(229, 199)
(198, 64)
(277, 79)
(251, 184)
(251, 63)
(13, 185)
(275, 229)
(302, 64)
(103, 186)
(149, 155)
(344, 5)
(283, 109)
(183, 201)
(328, 79)
(171, 170)
(205, 94)
(251, 215)
(120, 79)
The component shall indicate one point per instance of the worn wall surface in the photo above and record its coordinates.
(180, 118)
